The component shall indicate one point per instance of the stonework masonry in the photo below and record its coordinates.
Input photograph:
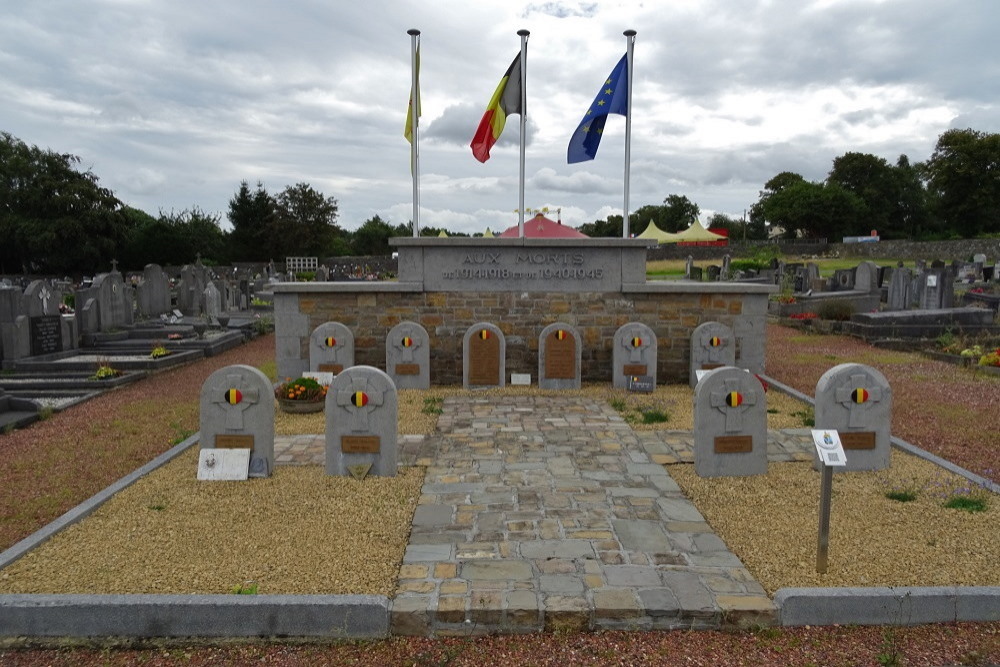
(428, 293)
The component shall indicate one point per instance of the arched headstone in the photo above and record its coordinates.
(484, 357)
(237, 412)
(408, 356)
(713, 345)
(331, 348)
(856, 401)
(362, 413)
(730, 424)
(634, 354)
(559, 352)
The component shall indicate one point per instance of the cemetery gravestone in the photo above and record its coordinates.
(213, 301)
(237, 412)
(484, 357)
(899, 289)
(361, 423)
(408, 356)
(730, 424)
(713, 345)
(856, 401)
(153, 292)
(41, 304)
(15, 338)
(866, 277)
(559, 352)
(331, 348)
(634, 354)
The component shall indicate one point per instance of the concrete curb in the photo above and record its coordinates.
(330, 616)
(887, 606)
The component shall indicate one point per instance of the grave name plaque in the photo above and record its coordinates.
(46, 334)
(407, 369)
(483, 355)
(858, 440)
(231, 441)
(560, 355)
(330, 368)
(733, 444)
(360, 444)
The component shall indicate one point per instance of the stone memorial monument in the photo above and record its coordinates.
(856, 401)
(559, 353)
(730, 424)
(237, 412)
(362, 413)
(331, 348)
(484, 357)
(713, 345)
(408, 356)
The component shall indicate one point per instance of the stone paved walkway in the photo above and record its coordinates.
(552, 513)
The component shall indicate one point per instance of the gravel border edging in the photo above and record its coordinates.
(88, 506)
(332, 616)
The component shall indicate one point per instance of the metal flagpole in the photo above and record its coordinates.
(414, 124)
(524, 115)
(629, 42)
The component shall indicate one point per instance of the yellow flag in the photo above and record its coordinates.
(408, 130)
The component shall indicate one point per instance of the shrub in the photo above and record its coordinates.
(839, 310)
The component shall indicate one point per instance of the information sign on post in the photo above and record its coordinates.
(831, 454)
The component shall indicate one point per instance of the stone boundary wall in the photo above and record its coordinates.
(370, 313)
(908, 250)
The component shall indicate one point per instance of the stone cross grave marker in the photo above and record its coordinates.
(484, 357)
(237, 412)
(559, 352)
(713, 345)
(730, 424)
(408, 356)
(362, 412)
(856, 401)
(634, 354)
(331, 348)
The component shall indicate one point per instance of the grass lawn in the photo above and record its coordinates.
(669, 269)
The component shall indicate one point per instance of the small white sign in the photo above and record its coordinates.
(523, 379)
(321, 377)
(932, 280)
(223, 465)
(829, 447)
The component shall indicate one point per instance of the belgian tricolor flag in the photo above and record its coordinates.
(506, 101)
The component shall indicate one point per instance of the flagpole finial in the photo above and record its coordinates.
(523, 33)
(412, 31)
(629, 33)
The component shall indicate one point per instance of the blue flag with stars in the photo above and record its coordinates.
(612, 98)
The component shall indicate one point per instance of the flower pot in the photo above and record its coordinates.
(300, 407)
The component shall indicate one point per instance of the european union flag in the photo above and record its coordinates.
(612, 98)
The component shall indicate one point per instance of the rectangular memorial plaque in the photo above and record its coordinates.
(560, 358)
(858, 440)
(360, 444)
(733, 444)
(46, 334)
(642, 383)
(634, 369)
(711, 367)
(484, 360)
(233, 441)
(407, 369)
(331, 368)
(225, 465)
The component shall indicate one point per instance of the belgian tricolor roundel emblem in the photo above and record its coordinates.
(484, 334)
(859, 395)
(407, 341)
(734, 399)
(561, 334)
(359, 399)
(233, 396)
(715, 341)
(636, 342)
(330, 341)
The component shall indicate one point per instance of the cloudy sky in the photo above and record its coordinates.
(173, 103)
